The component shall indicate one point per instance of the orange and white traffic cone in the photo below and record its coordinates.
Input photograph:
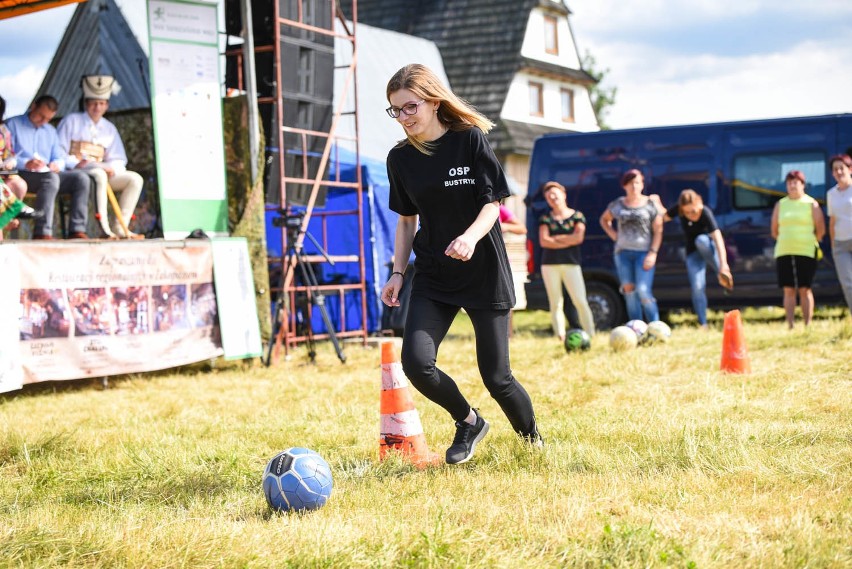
(734, 353)
(401, 429)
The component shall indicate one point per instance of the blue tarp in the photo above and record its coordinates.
(342, 239)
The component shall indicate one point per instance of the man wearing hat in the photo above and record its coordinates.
(92, 144)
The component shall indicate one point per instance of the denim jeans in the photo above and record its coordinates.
(47, 185)
(696, 268)
(628, 264)
(841, 251)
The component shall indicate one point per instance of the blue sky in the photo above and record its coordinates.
(673, 62)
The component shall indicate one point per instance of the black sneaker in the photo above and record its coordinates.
(464, 442)
(534, 439)
(29, 213)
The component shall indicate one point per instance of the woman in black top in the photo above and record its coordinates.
(561, 231)
(446, 174)
(704, 246)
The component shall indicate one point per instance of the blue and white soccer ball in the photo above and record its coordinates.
(297, 479)
(639, 328)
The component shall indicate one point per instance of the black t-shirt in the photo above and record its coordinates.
(448, 189)
(706, 223)
(568, 255)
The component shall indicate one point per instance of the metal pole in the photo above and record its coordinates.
(251, 87)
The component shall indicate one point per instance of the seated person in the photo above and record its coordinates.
(509, 223)
(91, 144)
(39, 162)
(10, 182)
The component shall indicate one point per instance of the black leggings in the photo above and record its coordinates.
(425, 328)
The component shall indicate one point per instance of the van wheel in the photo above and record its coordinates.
(606, 303)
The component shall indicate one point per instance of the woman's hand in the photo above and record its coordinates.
(390, 292)
(650, 260)
(461, 248)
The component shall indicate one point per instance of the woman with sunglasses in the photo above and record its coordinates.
(704, 247)
(446, 186)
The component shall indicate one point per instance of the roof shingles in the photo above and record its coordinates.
(480, 43)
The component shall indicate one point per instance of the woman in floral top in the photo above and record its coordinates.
(15, 183)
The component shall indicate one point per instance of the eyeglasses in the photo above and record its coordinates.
(408, 108)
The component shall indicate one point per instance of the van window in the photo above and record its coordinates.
(759, 179)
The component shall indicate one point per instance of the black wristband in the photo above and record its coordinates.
(397, 273)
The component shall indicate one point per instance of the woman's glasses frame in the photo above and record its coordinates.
(408, 108)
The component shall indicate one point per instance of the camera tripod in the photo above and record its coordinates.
(296, 258)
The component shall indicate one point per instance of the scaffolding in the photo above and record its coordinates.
(304, 149)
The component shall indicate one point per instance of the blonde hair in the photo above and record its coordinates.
(453, 112)
(688, 196)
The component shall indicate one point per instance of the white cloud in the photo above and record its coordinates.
(661, 88)
(717, 60)
(638, 18)
(19, 87)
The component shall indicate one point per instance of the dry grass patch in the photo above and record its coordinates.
(653, 459)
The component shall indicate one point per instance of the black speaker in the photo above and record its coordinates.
(306, 76)
(262, 18)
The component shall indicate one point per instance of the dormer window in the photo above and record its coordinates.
(551, 38)
(536, 99)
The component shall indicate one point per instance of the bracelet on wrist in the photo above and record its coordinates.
(654, 251)
(398, 273)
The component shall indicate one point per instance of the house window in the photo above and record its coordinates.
(536, 99)
(551, 39)
(567, 96)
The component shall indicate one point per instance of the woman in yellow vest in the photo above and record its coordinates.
(797, 226)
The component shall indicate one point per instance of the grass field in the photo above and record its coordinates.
(653, 459)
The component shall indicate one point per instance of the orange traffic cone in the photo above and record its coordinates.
(734, 353)
(400, 424)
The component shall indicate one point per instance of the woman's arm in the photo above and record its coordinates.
(606, 223)
(656, 240)
(716, 236)
(513, 226)
(773, 226)
(406, 228)
(819, 222)
(462, 247)
(658, 203)
(831, 221)
(549, 241)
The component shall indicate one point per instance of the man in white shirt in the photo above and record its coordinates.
(92, 144)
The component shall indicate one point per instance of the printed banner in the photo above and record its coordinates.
(11, 374)
(95, 309)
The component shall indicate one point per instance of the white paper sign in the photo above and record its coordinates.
(236, 299)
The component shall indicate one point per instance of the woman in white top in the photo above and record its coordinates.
(839, 201)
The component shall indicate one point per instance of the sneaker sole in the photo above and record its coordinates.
(476, 440)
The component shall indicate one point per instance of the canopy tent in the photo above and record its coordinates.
(12, 8)
(341, 232)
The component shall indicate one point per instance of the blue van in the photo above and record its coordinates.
(737, 167)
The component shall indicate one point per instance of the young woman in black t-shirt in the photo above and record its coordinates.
(446, 174)
(704, 246)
